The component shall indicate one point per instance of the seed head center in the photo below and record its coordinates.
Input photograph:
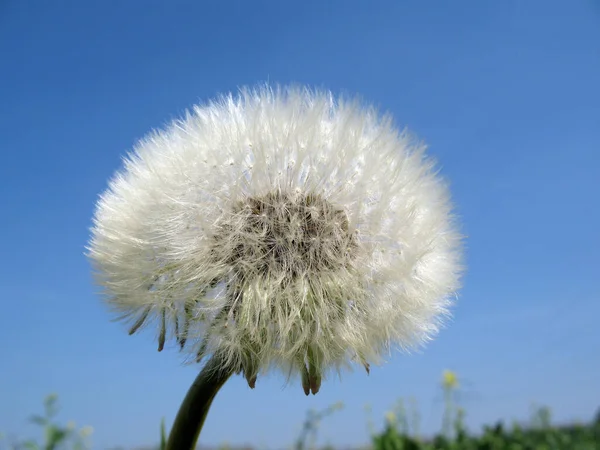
(280, 234)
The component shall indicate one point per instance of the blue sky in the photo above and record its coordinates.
(506, 94)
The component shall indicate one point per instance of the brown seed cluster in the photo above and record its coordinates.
(280, 234)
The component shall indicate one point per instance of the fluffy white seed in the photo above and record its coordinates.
(279, 227)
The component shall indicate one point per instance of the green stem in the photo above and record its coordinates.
(195, 406)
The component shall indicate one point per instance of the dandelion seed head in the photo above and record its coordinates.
(279, 227)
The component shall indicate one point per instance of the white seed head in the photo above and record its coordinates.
(279, 227)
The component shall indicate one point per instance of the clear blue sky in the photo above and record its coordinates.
(506, 93)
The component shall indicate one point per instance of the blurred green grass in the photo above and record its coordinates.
(400, 431)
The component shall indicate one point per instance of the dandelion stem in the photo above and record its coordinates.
(195, 406)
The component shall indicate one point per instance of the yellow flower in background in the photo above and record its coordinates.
(449, 380)
(390, 417)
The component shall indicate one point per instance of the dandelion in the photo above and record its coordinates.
(86, 431)
(279, 228)
(391, 418)
(450, 384)
(449, 380)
